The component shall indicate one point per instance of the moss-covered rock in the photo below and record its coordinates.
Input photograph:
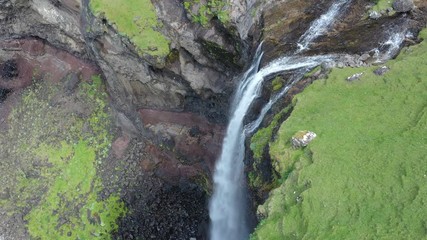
(55, 140)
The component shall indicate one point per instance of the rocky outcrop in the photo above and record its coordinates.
(302, 138)
(25, 60)
(403, 5)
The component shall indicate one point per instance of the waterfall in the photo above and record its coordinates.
(251, 127)
(390, 48)
(321, 25)
(227, 206)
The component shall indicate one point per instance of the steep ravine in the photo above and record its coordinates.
(161, 118)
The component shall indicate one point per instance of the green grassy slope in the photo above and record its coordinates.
(136, 19)
(365, 175)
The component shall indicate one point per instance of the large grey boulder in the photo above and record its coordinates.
(403, 5)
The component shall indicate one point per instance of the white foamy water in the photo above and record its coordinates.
(390, 48)
(251, 127)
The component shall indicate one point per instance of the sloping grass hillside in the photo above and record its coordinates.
(365, 175)
(137, 20)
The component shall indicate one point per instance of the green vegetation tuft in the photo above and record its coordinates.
(277, 83)
(206, 11)
(136, 19)
(382, 5)
(259, 143)
(364, 176)
(54, 143)
(70, 209)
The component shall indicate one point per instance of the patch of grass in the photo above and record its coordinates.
(364, 175)
(70, 209)
(263, 136)
(277, 83)
(259, 143)
(137, 19)
(50, 152)
(382, 5)
(206, 11)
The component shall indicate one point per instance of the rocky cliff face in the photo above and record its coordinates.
(171, 110)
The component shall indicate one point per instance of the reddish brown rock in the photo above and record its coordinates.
(195, 139)
(36, 59)
(120, 145)
(164, 164)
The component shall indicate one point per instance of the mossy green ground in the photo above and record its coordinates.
(52, 148)
(136, 19)
(206, 11)
(365, 175)
(259, 142)
(382, 5)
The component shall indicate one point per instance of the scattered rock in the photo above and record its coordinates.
(374, 15)
(354, 77)
(364, 57)
(302, 138)
(9, 69)
(382, 70)
(403, 5)
(120, 145)
(3, 94)
(71, 82)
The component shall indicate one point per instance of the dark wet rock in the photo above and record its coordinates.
(9, 69)
(171, 212)
(71, 82)
(196, 140)
(403, 5)
(3, 94)
(382, 70)
(364, 36)
(157, 209)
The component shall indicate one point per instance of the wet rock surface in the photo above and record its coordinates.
(9, 69)
(158, 209)
(403, 5)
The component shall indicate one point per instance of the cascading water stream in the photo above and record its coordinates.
(391, 47)
(321, 25)
(227, 206)
(226, 209)
(251, 127)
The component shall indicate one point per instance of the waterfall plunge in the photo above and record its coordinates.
(228, 203)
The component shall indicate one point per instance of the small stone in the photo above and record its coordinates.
(381, 71)
(403, 5)
(354, 77)
(374, 15)
(9, 69)
(71, 82)
(302, 138)
(364, 57)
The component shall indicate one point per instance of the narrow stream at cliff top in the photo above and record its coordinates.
(227, 208)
